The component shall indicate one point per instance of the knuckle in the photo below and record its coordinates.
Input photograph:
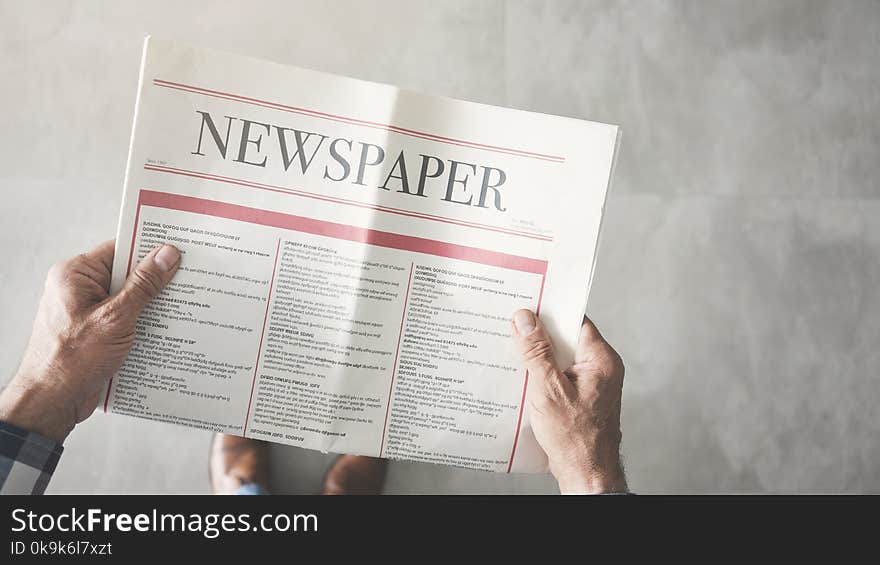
(146, 282)
(55, 270)
(611, 362)
(615, 362)
(113, 320)
(111, 325)
(538, 350)
(61, 272)
(58, 273)
(109, 315)
(554, 392)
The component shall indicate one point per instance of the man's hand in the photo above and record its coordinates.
(575, 413)
(80, 338)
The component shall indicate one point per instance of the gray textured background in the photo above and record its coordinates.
(738, 272)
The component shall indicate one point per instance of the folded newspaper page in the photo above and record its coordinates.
(352, 255)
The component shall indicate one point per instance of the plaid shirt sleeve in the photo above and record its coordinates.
(27, 460)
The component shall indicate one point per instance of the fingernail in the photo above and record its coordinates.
(167, 257)
(524, 321)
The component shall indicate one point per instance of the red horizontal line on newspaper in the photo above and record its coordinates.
(305, 194)
(356, 121)
(340, 231)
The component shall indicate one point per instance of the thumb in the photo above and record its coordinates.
(536, 350)
(148, 279)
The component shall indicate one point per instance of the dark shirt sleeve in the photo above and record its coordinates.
(27, 460)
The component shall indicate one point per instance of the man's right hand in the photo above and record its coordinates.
(81, 337)
(575, 413)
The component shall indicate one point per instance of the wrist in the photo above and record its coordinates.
(585, 477)
(33, 406)
(592, 483)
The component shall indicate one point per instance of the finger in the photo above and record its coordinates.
(148, 279)
(588, 339)
(103, 254)
(94, 265)
(536, 351)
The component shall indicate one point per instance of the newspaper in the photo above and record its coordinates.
(352, 256)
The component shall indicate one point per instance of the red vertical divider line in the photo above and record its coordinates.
(396, 354)
(262, 334)
(522, 402)
(137, 216)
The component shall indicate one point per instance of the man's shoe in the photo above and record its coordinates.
(356, 474)
(237, 461)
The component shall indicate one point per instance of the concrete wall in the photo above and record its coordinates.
(738, 272)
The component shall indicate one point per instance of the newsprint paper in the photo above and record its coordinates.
(352, 256)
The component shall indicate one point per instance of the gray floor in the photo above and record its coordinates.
(738, 271)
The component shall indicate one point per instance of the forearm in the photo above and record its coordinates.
(33, 404)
